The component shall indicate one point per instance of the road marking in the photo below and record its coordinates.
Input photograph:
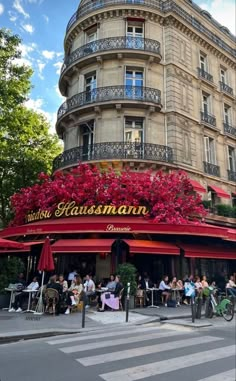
(161, 367)
(131, 353)
(230, 375)
(103, 335)
(111, 343)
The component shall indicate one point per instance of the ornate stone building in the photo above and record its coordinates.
(150, 84)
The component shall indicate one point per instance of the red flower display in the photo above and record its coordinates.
(169, 197)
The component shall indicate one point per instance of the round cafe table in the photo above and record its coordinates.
(12, 291)
(152, 291)
(29, 292)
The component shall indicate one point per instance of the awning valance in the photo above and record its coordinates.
(197, 186)
(219, 192)
(82, 245)
(198, 251)
(151, 247)
(7, 244)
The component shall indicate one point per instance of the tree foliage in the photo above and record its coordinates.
(169, 197)
(26, 146)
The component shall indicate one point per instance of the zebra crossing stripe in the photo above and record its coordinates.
(131, 353)
(103, 335)
(111, 343)
(230, 375)
(161, 367)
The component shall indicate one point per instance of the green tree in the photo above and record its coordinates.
(26, 146)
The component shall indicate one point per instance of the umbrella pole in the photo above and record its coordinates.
(39, 310)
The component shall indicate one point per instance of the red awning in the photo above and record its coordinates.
(197, 251)
(151, 247)
(82, 245)
(219, 192)
(7, 244)
(197, 186)
(231, 234)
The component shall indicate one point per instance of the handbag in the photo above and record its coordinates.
(107, 296)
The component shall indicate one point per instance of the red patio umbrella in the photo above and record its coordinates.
(46, 263)
(7, 244)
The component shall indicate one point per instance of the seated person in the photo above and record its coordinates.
(111, 285)
(198, 285)
(89, 289)
(111, 299)
(176, 286)
(74, 293)
(204, 282)
(19, 298)
(165, 289)
(231, 286)
(56, 286)
(63, 283)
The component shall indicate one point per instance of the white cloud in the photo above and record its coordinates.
(59, 94)
(46, 18)
(17, 5)
(58, 65)
(12, 16)
(28, 28)
(223, 12)
(36, 105)
(41, 66)
(1, 9)
(48, 54)
(39, 2)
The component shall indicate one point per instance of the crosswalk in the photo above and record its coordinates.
(139, 353)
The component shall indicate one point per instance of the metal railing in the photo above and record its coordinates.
(231, 175)
(208, 118)
(111, 93)
(229, 129)
(211, 169)
(204, 74)
(112, 43)
(114, 150)
(226, 88)
(159, 5)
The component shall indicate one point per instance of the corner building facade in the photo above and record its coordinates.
(149, 84)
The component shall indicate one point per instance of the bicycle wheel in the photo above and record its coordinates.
(228, 312)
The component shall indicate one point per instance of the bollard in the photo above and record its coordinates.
(127, 303)
(193, 308)
(83, 312)
(199, 307)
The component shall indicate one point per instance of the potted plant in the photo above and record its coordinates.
(10, 267)
(128, 273)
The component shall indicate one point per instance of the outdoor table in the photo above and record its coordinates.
(12, 291)
(174, 294)
(152, 291)
(29, 292)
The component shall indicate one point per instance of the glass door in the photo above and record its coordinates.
(87, 138)
(134, 83)
(134, 36)
(90, 87)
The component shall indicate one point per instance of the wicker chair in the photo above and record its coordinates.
(51, 299)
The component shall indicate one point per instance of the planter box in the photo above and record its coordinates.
(4, 301)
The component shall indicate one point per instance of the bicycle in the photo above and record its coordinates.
(223, 308)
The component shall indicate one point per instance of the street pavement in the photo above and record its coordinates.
(122, 352)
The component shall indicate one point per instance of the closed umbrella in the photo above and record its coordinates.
(46, 263)
(7, 244)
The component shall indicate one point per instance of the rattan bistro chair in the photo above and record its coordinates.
(51, 299)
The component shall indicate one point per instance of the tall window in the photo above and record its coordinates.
(232, 158)
(206, 103)
(210, 153)
(134, 35)
(134, 83)
(134, 130)
(223, 75)
(87, 131)
(203, 61)
(90, 86)
(226, 114)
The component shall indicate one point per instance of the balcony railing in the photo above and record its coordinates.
(114, 151)
(211, 169)
(226, 88)
(112, 43)
(111, 93)
(231, 175)
(229, 129)
(208, 118)
(204, 74)
(159, 5)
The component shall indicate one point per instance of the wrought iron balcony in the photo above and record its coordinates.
(161, 6)
(114, 151)
(229, 129)
(226, 88)
(211, 169)
(231, 175)
(208, 118)
(112, 43)
(204, 74)
(111, 93)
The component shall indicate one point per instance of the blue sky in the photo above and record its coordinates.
(41, 25)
